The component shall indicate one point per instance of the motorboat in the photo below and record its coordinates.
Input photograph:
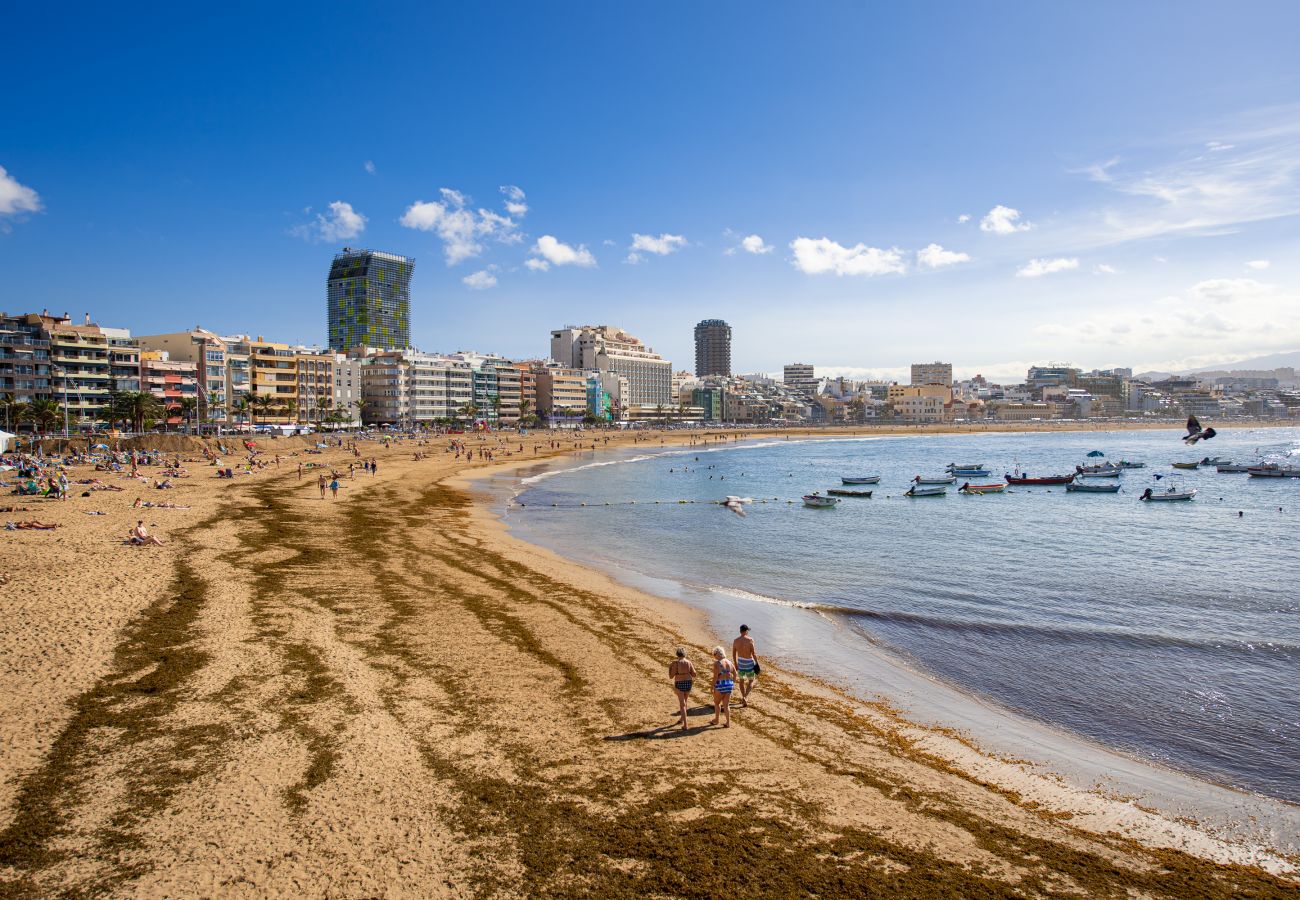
(971, 471)
(817, 501)
(1170, 493)
(951, 466)
(1225, 468)
(1019, 477)
(1093, 487)
(860, 479)
(938, 479)
(969, 488)
(1103, 469)
(1125, 464)
(1186, 465)
(1216, 461)
(1273, 470)
(1107, 473)
(837, 492)
(918, 490)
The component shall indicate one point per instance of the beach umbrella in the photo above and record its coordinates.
(1096, 453)
(100, 447)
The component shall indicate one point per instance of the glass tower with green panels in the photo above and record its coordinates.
(369, 299)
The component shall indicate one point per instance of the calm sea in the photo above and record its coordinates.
(1165, 630)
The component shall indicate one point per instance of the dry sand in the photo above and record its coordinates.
(385, 694)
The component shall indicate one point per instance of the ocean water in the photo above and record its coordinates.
(1168, 631)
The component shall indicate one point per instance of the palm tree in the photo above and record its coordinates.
(43, 413)
(135, 407)
(10, 405)
(188, 407)
(241, 407)
(288, 407)
(496, 408)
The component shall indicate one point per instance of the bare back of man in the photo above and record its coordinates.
(745, 656)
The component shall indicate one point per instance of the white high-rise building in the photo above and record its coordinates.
(607, 349)
(800, 377)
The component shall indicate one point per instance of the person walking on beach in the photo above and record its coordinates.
(724, 682)
(322, 484)
(746, 659)
(334, 487)
(682, 673)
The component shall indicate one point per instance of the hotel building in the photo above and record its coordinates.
(609, 349)
(712, 348)
(368, 298)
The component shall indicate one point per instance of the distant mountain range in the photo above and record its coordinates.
(1272, 361)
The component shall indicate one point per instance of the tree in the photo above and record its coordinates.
(288, 407)
(135, 407)
(496, 408)
(241, 407)
(43, 413)
(188, 407)
(11, 405)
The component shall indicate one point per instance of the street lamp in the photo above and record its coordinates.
(63, 376)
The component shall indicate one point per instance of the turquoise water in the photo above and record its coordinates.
(1166, 630)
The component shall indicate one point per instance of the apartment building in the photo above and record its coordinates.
(172, 381)
(208, 352)
(606, 348)
(24, 359)
(561, 392)
(932, 373)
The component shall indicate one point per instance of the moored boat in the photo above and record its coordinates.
(1109, 473)
(860, 479)
(938, 479)
(1125, 464)
(969, 488)
(951, 466)
(1186, 465)
(962, 472)
(1273, 470)
(817, 501)
(1170, 493)
(918, 490)
(1093, 487)
(1226, 468)
(1019, 477)
(1103, 469)
(1216, 461)
(839, 492)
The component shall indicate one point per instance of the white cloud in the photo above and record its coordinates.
(817, 257)
(648, 243)
(935, 257)
(369, 166)
(341, 223)
(1104, 269)
(755, 244)
(515, 204)
(1259, 264)
(480, 280)
(15, 198)
(963, 218)
(555, 253)
(1229, 290)
(461, 229)
(1003, 220)
(1036, 268)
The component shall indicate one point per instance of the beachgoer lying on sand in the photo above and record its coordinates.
(681, 672)
(140, 536)
(15, 509)
(30, 524)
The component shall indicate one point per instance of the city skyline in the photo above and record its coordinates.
(1143, 216)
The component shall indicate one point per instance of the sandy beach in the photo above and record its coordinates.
(385, 694)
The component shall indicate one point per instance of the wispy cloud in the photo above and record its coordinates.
(963, 218)
(369, 166)
(461, 228)
(662, 245)
(480, 280)
(1036, 268)
(934, 256)
(822, 255)
(1259, 264)
(340, 223)
(1104, 269)
(549, 251)
(15, 199)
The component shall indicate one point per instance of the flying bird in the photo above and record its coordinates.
(1196, 433)
(737, 504)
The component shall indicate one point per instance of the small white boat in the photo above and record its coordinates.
(817, 501)
(1125, 464)
(1103, 469)
(938, 479)
(1109, 473)
(1084, 487)
(1170, 493)
(1233, 468)
(860, 479)
(1216, 461)
(953, 466)
(918, 490)
(969, 473)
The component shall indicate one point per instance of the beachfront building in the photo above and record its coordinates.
(1049, 376)
(24, 361)
(82, 378)
(407, 387)
(527, 390)
(800, 377)
(368, 300)
(920, 403)
(208, 352)
(175, 382)
(269, 386)
(932, 373)
(346, 400)
(561, 392)
(314, 369)
(609, 349)
(712, 348)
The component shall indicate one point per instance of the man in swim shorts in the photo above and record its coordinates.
(746, 659)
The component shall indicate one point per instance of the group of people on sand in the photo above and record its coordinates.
(740, 670)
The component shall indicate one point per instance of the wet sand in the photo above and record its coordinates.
(385, 694)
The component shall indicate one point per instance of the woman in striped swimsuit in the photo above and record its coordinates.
(724, 682)
(682, 672)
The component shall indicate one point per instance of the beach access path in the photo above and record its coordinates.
(385, 694)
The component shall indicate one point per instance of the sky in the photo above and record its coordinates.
(856, 185)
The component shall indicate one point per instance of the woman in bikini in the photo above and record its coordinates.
(682, 672)
(724, 682)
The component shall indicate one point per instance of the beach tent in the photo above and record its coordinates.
(6, 441)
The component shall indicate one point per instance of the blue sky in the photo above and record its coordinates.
(1130, 174)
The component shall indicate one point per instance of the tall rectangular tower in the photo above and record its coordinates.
(369, 300)
(712, 348)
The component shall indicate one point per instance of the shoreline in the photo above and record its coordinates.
(961, 727)
(387, 694)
